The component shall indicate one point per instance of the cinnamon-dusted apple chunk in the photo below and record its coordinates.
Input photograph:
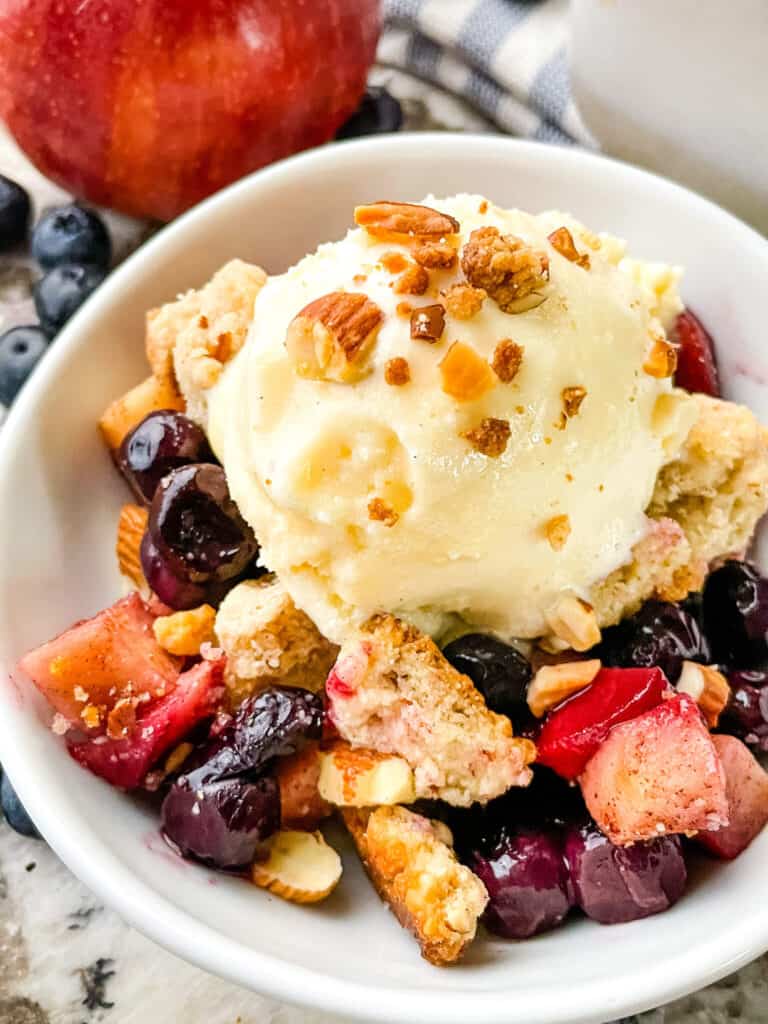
(392, 691)
(411, 863)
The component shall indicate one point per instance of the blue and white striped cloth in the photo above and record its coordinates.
(507, 58)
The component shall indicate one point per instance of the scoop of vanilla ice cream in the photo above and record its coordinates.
(311, 463)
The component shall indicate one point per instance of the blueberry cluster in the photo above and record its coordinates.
(72, 247)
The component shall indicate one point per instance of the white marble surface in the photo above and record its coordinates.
(64, 958)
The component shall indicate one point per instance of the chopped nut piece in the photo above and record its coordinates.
(121, 720)
(185, 632)
(562, 242)
(708, 687)
(403, 309)
(574, 622)
(463, 301)
(507, 360)
(301, 867)
(130, 530)
(436, 256)
(490, 437)
(357, 777)
(394, 262)
(126, 412)
(466, 375)
(414, 281)
(384, 219)
(483, 207)
(379, 511)
(508, 268)
(397, 372)
(553, 683)
(557, 530)
(572, 399)
(332, 337)
(661, 361)
(428, 323)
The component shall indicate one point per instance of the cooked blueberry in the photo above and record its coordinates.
(197, 527)
(14, 213)
(500, 672)
(20, 351)
(14, 811)
(378, 112)
(746, 714)
(527, 881)
(661, 634)
(221, 822)
(71, 234)
(613, 884)
(175, 592)
(62, 291)
(736, 615)
(163, 441)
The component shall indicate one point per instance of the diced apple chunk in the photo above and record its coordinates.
(657, 774)
(747, 789)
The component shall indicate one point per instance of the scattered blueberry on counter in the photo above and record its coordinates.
(14, 811)
(20, 351)
(62, 291)
(15, 211)
(379, 112)
(71, 234)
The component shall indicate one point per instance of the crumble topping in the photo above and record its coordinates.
(397, 372)
(490, 437)
(436, 255)
(404, 309)
(507, 267)
(394, 262)
(562, 242)
(507, 360)
(379, 511)
(572, 399)
(414, 281)
(428, 323)
(463, 301)
(557, 530)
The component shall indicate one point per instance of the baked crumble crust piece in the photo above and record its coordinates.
(490, 437)
(392, 691)
(507, 360)
(189, 341)
(505, 266)
(269, 641)
(416, 873)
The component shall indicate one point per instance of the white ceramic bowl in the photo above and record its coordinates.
(59, 497)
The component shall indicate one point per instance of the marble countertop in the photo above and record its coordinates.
(66, 959)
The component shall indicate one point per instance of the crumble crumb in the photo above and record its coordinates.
(463, 301)
(490, 437)
(394, 262)
(121, 720)
(507, 360)
(428, 323)
(562, 242)
(397, 372)
(505, 266)
(414, 281)
(436, 255)
(483, 207)
(557, 530)
(404, 309)
(572, 399)
(380, 512)
(91, 716)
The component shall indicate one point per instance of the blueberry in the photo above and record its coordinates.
(500, 672)
(378, 112)
(14, 213)
(746, 714)
(660, 634)
(736, 615)
(14, 811)
(20, 351)
(71, 234)
(164, 440)
(62, 291)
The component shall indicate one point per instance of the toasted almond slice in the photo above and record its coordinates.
(352, 777)
(184, 633)
(466, 375)
(384, 219)
(128, 411)
(332, 337)
(553, 683)
(300, 867)
(574, 622)
(661, 361)
(130, 530)
(708, 687)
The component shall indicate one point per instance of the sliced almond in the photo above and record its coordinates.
(553, 683)
(184, 633)
(661, 361)
(385, 219)
(574, 622)
(300, 867)
(352, 777)
(333, 336)
(708, 687)
(130, 529)
(129, 410)
(466, 375)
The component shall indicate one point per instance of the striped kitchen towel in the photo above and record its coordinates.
(507, 58)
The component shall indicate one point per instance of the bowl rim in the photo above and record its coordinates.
(183, 934)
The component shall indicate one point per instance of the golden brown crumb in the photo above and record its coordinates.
(414, 281)
(394, 262)
(572, 399)
(463, 301)
(483, 207)
(397, 372)
(562, 242)
(183, 633)
(224, 347)
(507, 360)
(360, 278)
(436, 255)
(91, 716)
(519, 409)
(121, 720)
(403, 309)
(557, 530)
(202, 323)
(428, 323)
(508, 268)
(661, 360)
(466, 375)
(569, 477)
(490, 437)
(380, 512)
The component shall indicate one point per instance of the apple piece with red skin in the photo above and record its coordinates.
(575, 728)
(747, 788)
(696, 367)
(657, 774)
(94, 661)
(125, 762)
(150, 107)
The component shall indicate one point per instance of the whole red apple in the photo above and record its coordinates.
(147, 106)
